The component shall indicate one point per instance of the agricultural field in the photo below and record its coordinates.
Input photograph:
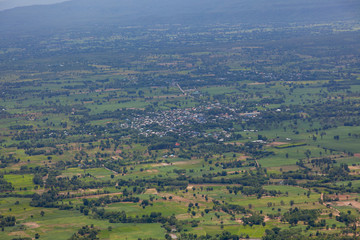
(246, 136)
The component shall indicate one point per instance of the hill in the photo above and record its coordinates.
(91, 13)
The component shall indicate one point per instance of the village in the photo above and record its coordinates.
(179, 121)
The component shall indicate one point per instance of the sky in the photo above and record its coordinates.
(8, 4)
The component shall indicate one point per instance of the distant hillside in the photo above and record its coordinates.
(8, 4)
(87, 13)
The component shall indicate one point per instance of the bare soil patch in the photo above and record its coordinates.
(177, 198)
(80, 191)
(100, 195)
(276, 143)
(177, 163)
(151, 191)
(344, 197)
(235, 143)
(187, 162)
(31, 224)
(256, 83)
(244, 157)
(354, 167)
(266, 219)
(349, 203)
(173, 236)
(160, 164)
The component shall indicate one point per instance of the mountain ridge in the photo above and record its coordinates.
(77, 13)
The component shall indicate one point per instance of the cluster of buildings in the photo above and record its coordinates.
(177, 120)
(162, 122)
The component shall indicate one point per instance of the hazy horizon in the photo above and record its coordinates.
(8, 4)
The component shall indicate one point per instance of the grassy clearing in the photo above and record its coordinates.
(21, 181)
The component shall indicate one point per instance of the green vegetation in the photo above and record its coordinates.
(147, 134)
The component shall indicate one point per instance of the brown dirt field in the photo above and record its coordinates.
(304, 115)
(349, 203)
(177, 198)
(344, 197)
(31, 224)
(235, 143)
(256, 83)
(151, 191)
(266, 219)
(39, 191)
(244, 157)
(160, 164)
(187, 162)
(112, 89)
(276, 143)
(181, 199)
(80, 191)
(136, 109)
(176, 163)
(354, 167)
(100, 195)
(173, 236)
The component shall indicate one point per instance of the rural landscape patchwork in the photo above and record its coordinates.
(210, 128)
